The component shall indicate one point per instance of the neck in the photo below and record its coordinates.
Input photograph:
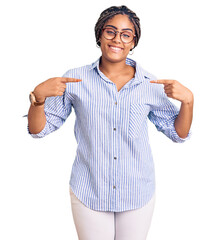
(112, 68)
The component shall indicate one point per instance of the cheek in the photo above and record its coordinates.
(103, 47)
(102, 43)
(128, 48)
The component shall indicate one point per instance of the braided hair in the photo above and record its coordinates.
(109, 13)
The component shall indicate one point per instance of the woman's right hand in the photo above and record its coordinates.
(52, 87)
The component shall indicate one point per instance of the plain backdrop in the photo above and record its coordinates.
(45, 38)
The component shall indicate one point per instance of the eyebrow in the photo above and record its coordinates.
(116, 28)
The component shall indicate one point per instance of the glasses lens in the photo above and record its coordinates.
(126, 37)
(109, 33)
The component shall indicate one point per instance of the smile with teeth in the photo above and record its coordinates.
(115, 49)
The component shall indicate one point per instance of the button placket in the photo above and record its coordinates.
(115, 142)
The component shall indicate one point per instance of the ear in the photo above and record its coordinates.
(98, 41)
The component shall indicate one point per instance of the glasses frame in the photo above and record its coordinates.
(116, 34)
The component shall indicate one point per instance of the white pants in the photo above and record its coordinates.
(99, 225)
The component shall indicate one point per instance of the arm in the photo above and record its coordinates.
(177, 91)
(53, 89)
(184, 119)
(36, 119)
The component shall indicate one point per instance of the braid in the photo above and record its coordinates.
(110, 13)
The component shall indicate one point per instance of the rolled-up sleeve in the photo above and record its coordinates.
(56, 109)
(41, 134)
(163, 114)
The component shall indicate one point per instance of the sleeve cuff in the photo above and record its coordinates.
(175, 137)
(41, 134)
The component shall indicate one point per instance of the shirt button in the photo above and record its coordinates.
(115, 157)
(114, 187)
(115, 103)
(114, 129)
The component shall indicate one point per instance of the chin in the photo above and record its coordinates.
(115, 58)
(113, 55)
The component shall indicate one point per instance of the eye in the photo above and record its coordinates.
(126, 35)
(110, 32)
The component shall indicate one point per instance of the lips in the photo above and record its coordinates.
(115, 48)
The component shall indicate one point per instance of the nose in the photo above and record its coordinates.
(117, 37)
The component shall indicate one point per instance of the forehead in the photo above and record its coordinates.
(120, 22)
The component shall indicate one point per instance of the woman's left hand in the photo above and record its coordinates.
(175, 90)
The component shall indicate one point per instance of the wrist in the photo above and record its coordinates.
(188, 100)
(39, 99)
(35, 101)
(38, 96)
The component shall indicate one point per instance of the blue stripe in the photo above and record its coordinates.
(113, 169)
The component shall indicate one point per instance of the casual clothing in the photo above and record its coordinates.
(113, 169)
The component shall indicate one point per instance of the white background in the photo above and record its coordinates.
(45, 38)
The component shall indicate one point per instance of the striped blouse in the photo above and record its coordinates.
(113, 169)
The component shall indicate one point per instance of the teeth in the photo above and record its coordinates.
(115, 48)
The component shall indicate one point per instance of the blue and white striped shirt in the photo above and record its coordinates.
(113, 168)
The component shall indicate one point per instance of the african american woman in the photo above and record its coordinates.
(112, 182)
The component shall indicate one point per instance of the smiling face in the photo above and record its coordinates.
(115, 50)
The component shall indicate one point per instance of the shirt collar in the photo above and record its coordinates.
(139, 77)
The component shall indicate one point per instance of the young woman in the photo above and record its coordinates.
(112, 184)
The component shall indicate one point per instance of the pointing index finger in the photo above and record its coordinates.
(162, 81)
(66, 80)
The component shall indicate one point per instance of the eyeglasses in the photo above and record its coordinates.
(126, 36)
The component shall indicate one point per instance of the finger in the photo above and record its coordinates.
(168, 91)
(63, 85)
(60, 93)
(62, 89)
(168, 87)
(169, 95)
(162, 81)
(66, 80)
